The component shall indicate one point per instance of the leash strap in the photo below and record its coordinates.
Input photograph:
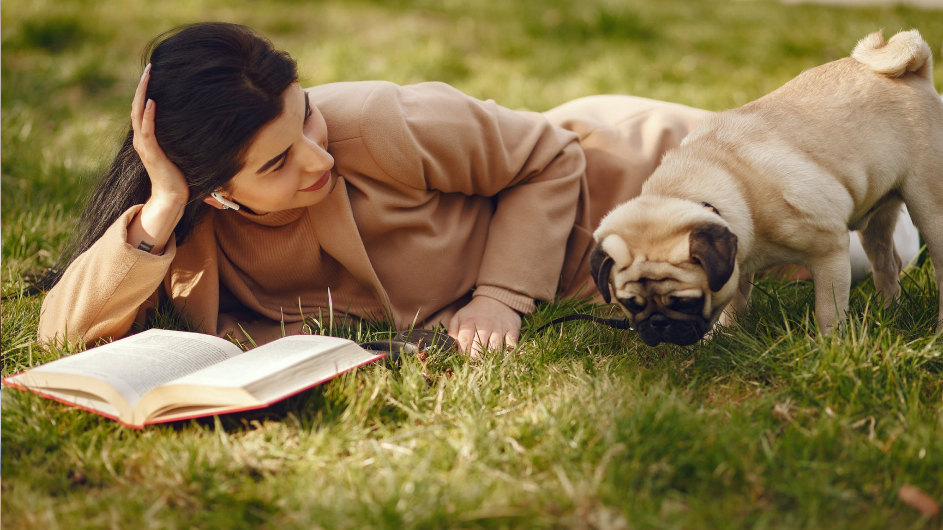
(618, 323)
(417, 340)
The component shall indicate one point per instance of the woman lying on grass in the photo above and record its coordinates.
(411, 203)
(249, 201)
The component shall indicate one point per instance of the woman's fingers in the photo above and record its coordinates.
(138, 104)
(496, 340)
(511, 336)
(146, 129)
(143, 112)
(462, 330)
(466, 337)
(474, 338)
(484, 324)
(142, 121)
(168, 183)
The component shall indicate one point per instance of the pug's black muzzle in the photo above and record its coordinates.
(659, 328)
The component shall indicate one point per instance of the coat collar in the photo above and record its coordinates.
(337, 233)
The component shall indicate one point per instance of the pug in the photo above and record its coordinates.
(781, 180)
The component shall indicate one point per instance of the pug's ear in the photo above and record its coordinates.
(600, 264)
(715, 248)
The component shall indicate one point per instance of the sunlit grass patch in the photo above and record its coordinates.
(766, 425)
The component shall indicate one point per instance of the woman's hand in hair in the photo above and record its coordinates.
(167, 181)
(485, 323)
(151, 229)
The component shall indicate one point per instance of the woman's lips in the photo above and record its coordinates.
(320, 183)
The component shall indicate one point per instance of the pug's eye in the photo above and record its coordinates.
(685, 305)
(633, 305)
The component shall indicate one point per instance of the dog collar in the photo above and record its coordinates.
(710, 207)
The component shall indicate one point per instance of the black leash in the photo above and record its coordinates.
(618, 323)
(417, 340)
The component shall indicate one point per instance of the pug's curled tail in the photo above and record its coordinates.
(904, 52)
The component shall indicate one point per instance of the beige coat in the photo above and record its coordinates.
(439, 197)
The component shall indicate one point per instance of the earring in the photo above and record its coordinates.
(227, 204)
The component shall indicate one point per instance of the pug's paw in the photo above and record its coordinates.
(728, 318)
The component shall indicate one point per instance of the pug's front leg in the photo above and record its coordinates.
(831, 278)
(739, 304)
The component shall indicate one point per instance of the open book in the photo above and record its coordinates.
(158, 376)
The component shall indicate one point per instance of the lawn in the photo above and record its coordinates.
(770, 425)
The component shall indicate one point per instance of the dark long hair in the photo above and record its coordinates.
(215, 85)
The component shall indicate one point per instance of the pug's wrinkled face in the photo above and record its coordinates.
(672, 288)
(662, 313)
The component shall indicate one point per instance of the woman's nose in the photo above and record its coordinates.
(317, 159)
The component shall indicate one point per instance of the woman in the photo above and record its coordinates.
(417, 204)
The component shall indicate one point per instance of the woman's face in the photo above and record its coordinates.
(287, 165)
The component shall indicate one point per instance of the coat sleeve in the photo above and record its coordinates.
(431, 136)
(105, 290)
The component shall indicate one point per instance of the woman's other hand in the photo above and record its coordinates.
(151, 228)
(484, 323)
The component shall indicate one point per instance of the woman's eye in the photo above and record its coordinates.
(308, 110)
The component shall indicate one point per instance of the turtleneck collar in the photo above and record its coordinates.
(280, 218)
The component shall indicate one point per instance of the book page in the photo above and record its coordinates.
(86, 401)
(136, 364)
(266, 361)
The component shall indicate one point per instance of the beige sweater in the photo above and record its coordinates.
(439, 197)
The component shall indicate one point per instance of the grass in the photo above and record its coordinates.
(770, 425)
